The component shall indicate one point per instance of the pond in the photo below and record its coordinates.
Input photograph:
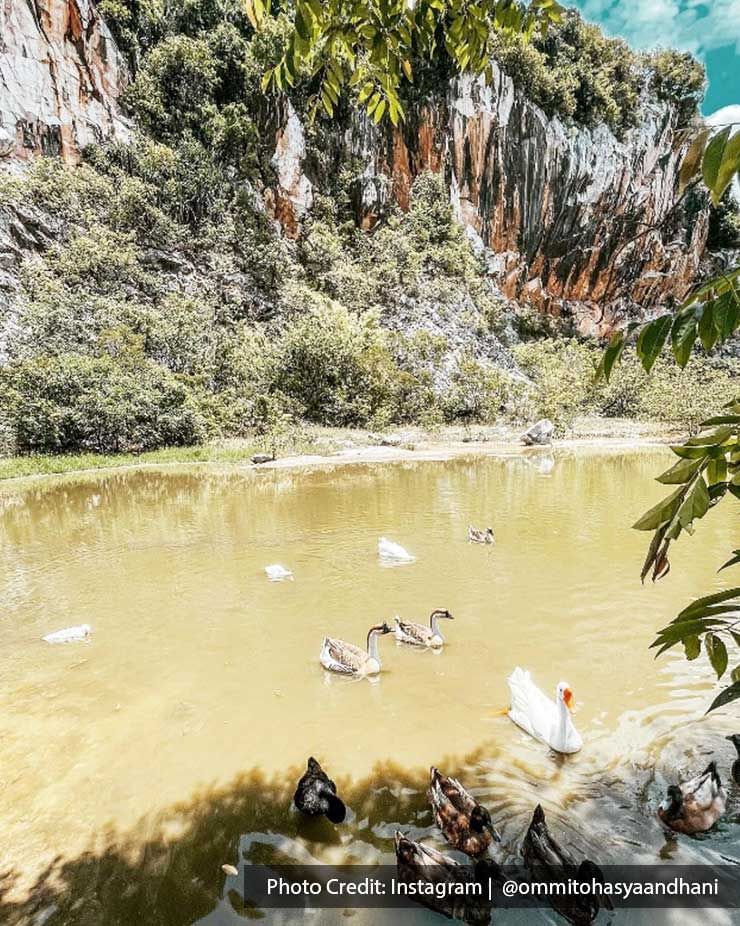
(135, 765)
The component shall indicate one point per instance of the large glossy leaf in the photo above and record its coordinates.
(692, 161)
(651, 340)
(728, 167)
(683, 336)
(712, 161)
(717, 652)
(681, 472)
(732, 561)
(660, 513)
(729, 594)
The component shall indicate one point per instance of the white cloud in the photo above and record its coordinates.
(697, 26)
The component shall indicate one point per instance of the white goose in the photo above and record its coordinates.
(547, 721)
(338, 656)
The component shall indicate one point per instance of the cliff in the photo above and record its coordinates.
(60, 77)
(573, 221)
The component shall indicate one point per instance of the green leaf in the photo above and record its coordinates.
(692, 647)
(651, 340)
(611, 355)
(660, 513)
(712, 160)
(729, 166)
(717, 598)
(735, 674)
(732, 561)
(725, 697)
(716, 471)
(692, 161)
(717, 652)
(683, 335)
(696, 504)
(681, 472)
(707, 330)
(726, 315)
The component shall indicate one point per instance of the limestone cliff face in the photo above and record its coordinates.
(572, 221)
(60, 77)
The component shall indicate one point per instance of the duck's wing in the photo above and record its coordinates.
(705, 791)
(462, 799)
(409, 632)
(530, 709)
(540, 848)
(341, 657)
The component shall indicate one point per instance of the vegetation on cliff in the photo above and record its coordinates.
(167, 309)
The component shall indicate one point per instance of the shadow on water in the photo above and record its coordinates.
(167, 871)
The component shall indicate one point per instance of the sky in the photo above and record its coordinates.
(710, 30)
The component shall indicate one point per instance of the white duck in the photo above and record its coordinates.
(547, 721)
(338, 656)
(419, 635)
(388, 550)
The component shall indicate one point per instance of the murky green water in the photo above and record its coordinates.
(133, 767)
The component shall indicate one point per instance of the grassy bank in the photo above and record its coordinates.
(324, 442)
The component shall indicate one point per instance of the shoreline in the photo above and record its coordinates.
(325, 447)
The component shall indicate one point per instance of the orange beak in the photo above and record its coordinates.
(568, 698)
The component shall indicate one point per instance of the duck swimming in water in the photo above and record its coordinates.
(418, 634)
(547, 861)
(348, 659)
(316, 794)
(480, 536)
(465, 823)
(546, 720)
(734, 738)
(695, 805)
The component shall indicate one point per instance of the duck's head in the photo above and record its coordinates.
(480, 819)
(734, 738)
(443, 613)
(379, 629)
(670, 807)
(565, 694)
(406, 851)
(489, 531)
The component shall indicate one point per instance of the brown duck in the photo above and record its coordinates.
(695, 805)
(465, 823)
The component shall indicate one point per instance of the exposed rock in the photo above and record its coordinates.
(539, 433)
(574, 221)
(61, 75)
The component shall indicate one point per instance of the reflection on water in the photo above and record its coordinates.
(135, 766)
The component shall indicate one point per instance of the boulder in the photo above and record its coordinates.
(539, 433)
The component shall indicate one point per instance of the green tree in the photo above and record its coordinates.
(370, 45)
(708, 466)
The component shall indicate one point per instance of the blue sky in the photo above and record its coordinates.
(711, 30)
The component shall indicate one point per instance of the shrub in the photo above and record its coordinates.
(116, 401)
(562, 372)
(334, 363)
(678, 78)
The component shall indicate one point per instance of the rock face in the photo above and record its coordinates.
(60, 77)
(574, 222)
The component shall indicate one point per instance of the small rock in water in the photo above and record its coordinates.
(540, 433)
(230, 870)
(278, 573)
(70, 635)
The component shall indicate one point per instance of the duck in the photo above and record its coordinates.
(734, 738)
(480, 536)
(546, 720)
(418, 634)
(695, 805)
(465, 824)
(543, 856)
(421, 864)
(259, 458)
(316, 794)
(348, 659)
(389, 550)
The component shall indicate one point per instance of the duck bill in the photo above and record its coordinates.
(569, 700)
